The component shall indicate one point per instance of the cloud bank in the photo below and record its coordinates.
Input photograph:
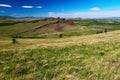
(5, 5)
(90, 14)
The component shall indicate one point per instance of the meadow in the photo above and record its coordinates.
(85, 51)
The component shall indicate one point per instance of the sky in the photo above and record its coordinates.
(61, 8)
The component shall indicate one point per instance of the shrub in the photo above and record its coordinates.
(60, 35)
(105, 30)
(58, 18)
(14, 41)
(98, 32)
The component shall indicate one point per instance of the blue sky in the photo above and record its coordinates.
(61, 8)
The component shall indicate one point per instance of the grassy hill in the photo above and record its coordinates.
(86, 57)
(10, 28)
(52, 28)
(84, 52)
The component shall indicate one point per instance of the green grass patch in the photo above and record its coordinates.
(95, 61)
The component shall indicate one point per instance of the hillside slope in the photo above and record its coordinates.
(92, 57)
(39, 28)
(61, 42)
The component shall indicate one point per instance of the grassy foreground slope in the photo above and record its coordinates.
(92, 57)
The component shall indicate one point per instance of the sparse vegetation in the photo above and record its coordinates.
(84, 51)
(94, 61)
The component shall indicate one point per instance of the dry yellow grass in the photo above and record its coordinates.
(60, 42)
(93, 57)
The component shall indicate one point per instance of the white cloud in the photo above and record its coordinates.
(39, 7)
(95, 9)
(5, 5)
(2, 11)
(91, 14)
(27, 6)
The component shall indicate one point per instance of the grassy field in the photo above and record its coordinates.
(81, 54)
(92, 57)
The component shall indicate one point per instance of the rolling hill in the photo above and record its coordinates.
(52, 26)
(60, 49)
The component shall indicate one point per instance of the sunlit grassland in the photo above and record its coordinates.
(92, 57)
(59, 42)
(80, 54)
